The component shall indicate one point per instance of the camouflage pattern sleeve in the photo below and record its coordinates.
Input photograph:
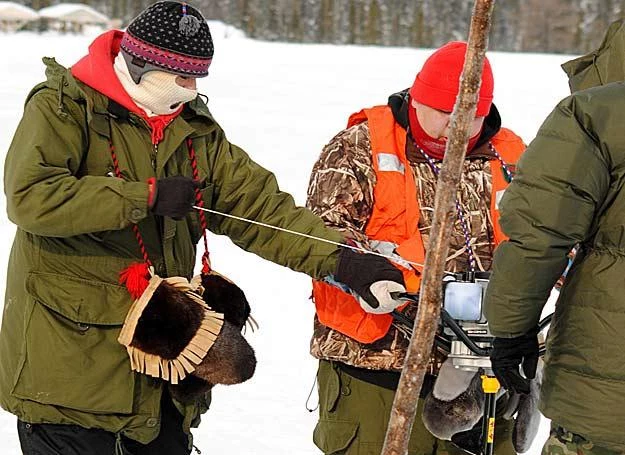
(341, 183)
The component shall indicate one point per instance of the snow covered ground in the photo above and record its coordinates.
(281, 103)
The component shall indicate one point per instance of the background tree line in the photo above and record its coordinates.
(573, 26)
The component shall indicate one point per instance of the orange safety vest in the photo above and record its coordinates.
(394, 220)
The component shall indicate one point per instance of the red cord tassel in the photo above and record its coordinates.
(136, 278)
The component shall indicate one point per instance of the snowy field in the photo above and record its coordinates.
(281, 103)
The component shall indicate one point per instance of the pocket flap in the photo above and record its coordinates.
(84, 301)
(334, 436)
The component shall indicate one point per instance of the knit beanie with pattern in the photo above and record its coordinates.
(438, 82)
(168, 36)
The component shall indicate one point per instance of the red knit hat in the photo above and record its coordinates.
(438, 82)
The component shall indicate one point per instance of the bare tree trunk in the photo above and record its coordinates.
(426, 322)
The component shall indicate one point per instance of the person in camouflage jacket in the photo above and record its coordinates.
(117, 144)
(356, 381)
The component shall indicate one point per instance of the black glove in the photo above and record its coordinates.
(174, 196)
(372, 277)
(509, 354)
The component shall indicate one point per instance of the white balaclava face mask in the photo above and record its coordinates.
(157, 93)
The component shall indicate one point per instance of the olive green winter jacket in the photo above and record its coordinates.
(568, 190)
(60, 361)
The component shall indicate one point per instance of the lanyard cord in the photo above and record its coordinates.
(459, 210)
(199, 202)
(504, 166)
(206, 268)
(135, 228)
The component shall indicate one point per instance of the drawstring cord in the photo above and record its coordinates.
(206, 265)
(308, 236)
(308, 408)
(504, 166)
(135, 227)
(119, 447)
(461, 213)
(459, 210)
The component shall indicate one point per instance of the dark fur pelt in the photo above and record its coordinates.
(226, 297)
(446, 418)
(231, 359)
(528, 416)
(168, 323)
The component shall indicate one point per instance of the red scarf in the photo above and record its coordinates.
(435, 148)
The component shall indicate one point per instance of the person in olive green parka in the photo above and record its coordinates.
(101, 147)
(569, 190)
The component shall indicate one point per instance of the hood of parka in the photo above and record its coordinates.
(602, 66)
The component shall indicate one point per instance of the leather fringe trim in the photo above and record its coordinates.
(172, 370)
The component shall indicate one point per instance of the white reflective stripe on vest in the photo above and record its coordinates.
(498, 196)
(389, 163)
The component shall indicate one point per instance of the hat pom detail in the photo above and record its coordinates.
(169, 36)
(189, 25)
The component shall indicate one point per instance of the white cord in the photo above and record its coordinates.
(277, 228)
